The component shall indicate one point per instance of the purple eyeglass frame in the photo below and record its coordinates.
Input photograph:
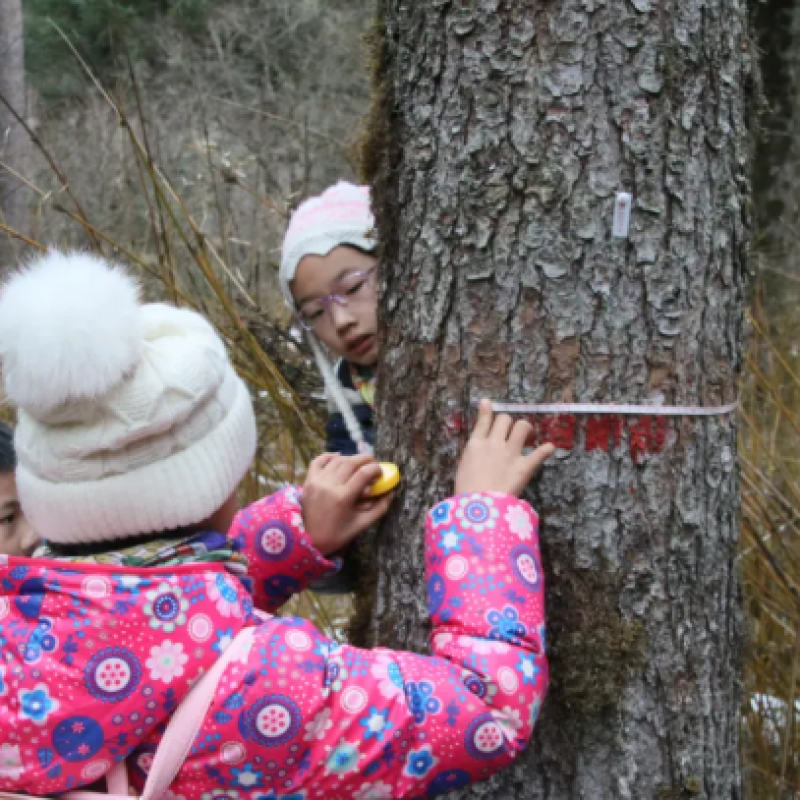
(335, 297)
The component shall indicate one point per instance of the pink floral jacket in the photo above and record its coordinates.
(94, 661)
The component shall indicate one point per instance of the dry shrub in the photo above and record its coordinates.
(770, 543)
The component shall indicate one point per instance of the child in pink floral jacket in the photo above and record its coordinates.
(134, 432)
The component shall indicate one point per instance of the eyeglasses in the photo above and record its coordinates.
(353, 289)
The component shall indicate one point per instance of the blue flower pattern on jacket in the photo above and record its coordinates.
(95, 660)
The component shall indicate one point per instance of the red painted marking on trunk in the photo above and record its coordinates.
(559, 429)
(455, 423)
(647, 435)
(603, 431)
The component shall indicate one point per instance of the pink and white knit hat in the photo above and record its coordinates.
(341, 215)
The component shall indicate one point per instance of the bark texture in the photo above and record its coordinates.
(501, 131)
(14, 143)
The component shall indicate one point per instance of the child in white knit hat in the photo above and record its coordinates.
(133, 433)
(328, 277)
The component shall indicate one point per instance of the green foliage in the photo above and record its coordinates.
(263, 41)
(103, 30)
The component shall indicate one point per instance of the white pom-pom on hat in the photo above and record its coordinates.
(131, 418)
(70, 329)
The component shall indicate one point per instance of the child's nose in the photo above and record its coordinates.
(342, 316)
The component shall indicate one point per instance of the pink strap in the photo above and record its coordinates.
(178, 737)
(80, 794)
(186, 721)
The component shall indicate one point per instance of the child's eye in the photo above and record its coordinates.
(356, 288)
(9, 520)
(314, 314)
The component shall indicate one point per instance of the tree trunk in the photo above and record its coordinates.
(776, 25)
(500, 134)
(14, 143)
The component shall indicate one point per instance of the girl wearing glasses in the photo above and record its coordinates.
(328, 276)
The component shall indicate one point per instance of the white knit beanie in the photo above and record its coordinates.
(341, 215)
(131, 419)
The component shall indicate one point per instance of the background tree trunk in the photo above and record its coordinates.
(501, 131)
(776, 199)
(14, 143)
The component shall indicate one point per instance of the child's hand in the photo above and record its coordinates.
(335, 509)
(493, 461)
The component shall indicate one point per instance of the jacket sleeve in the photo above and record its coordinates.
(282, 559)
(383, 723)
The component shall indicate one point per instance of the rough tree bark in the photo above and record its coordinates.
(14, 143)
(501, 131)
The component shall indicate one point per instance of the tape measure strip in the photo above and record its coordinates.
(623, 409)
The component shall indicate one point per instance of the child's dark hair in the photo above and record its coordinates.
(8, 458)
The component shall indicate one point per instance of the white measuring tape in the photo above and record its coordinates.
(622, 409)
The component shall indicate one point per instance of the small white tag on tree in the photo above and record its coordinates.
(622, 215)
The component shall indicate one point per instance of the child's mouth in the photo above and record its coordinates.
(361, 345)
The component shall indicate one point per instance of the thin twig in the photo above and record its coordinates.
(51, 162)
(277, 118)
(22, 237)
